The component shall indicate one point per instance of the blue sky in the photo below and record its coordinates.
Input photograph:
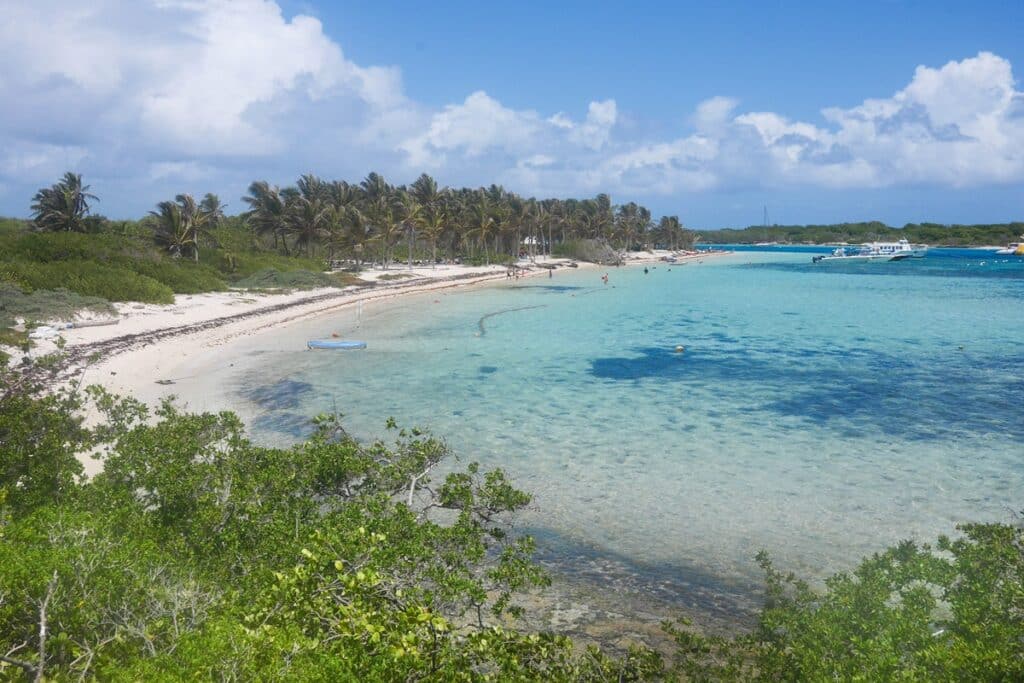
(824, 112)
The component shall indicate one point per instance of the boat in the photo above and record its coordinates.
(1012, 249)
(875, 251)
(335, 344)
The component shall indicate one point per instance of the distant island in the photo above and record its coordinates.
(934, 234)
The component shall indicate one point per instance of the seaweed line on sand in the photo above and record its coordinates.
(84, 354)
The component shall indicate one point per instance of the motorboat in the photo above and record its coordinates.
(875, 251)
(1012, 249)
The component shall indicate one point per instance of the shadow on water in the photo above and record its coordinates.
(283, 395)
(673, 585)
(919, 398)
(298, 426)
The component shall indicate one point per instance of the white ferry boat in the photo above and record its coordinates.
(876, 251)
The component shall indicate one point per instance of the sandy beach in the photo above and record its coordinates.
(150, 342)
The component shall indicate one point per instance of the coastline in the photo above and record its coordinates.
(150, 342)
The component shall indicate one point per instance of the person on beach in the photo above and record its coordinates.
(551, 272)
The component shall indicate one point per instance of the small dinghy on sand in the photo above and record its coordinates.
(335, 344)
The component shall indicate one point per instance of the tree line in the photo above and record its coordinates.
(369, 220)
(935, 234)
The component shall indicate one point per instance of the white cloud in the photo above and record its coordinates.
(594, 132)
(143, 84)
(960, 125)
(713, 115)
(481, 125)
(218, 92)
(478, 124)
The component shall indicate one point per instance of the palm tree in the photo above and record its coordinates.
(342, 199)
(378, 208)
(179, 224)
(64, 206)
(426, 192)
(631, 221)
(671, 232)
(433, 224)
(518, 221)
(213, 208)
(603, 220)
(570, 218)
(547, 217)
(267, 211)
(482, 223)
(308, 219)
(311, 187)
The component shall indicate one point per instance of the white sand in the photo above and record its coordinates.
(150, 342)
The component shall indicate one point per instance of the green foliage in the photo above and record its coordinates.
(88, 278)
(198, 554)
(182, 276)
(590, 250)
(40, 436)
(42, 305)
(926, 233)
(12, 225)
(293, 279)
(484, 257)
(120, 266)
(14, 338)
(64, 206)
(38, 306)
(111, 594)
(953, 613)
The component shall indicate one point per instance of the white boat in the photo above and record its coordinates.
(876, 251)
(1013, 249)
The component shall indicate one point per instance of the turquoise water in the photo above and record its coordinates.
(819, 412)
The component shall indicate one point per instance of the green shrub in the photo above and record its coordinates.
(60, 304)
(122, 264)
(182, 276)
(89, 278)
(59, 246)
(12, 226)
(487, 258)
(292, 279)
(250, 263)
(590, 250)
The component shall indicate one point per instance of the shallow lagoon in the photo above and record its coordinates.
(819, 412)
